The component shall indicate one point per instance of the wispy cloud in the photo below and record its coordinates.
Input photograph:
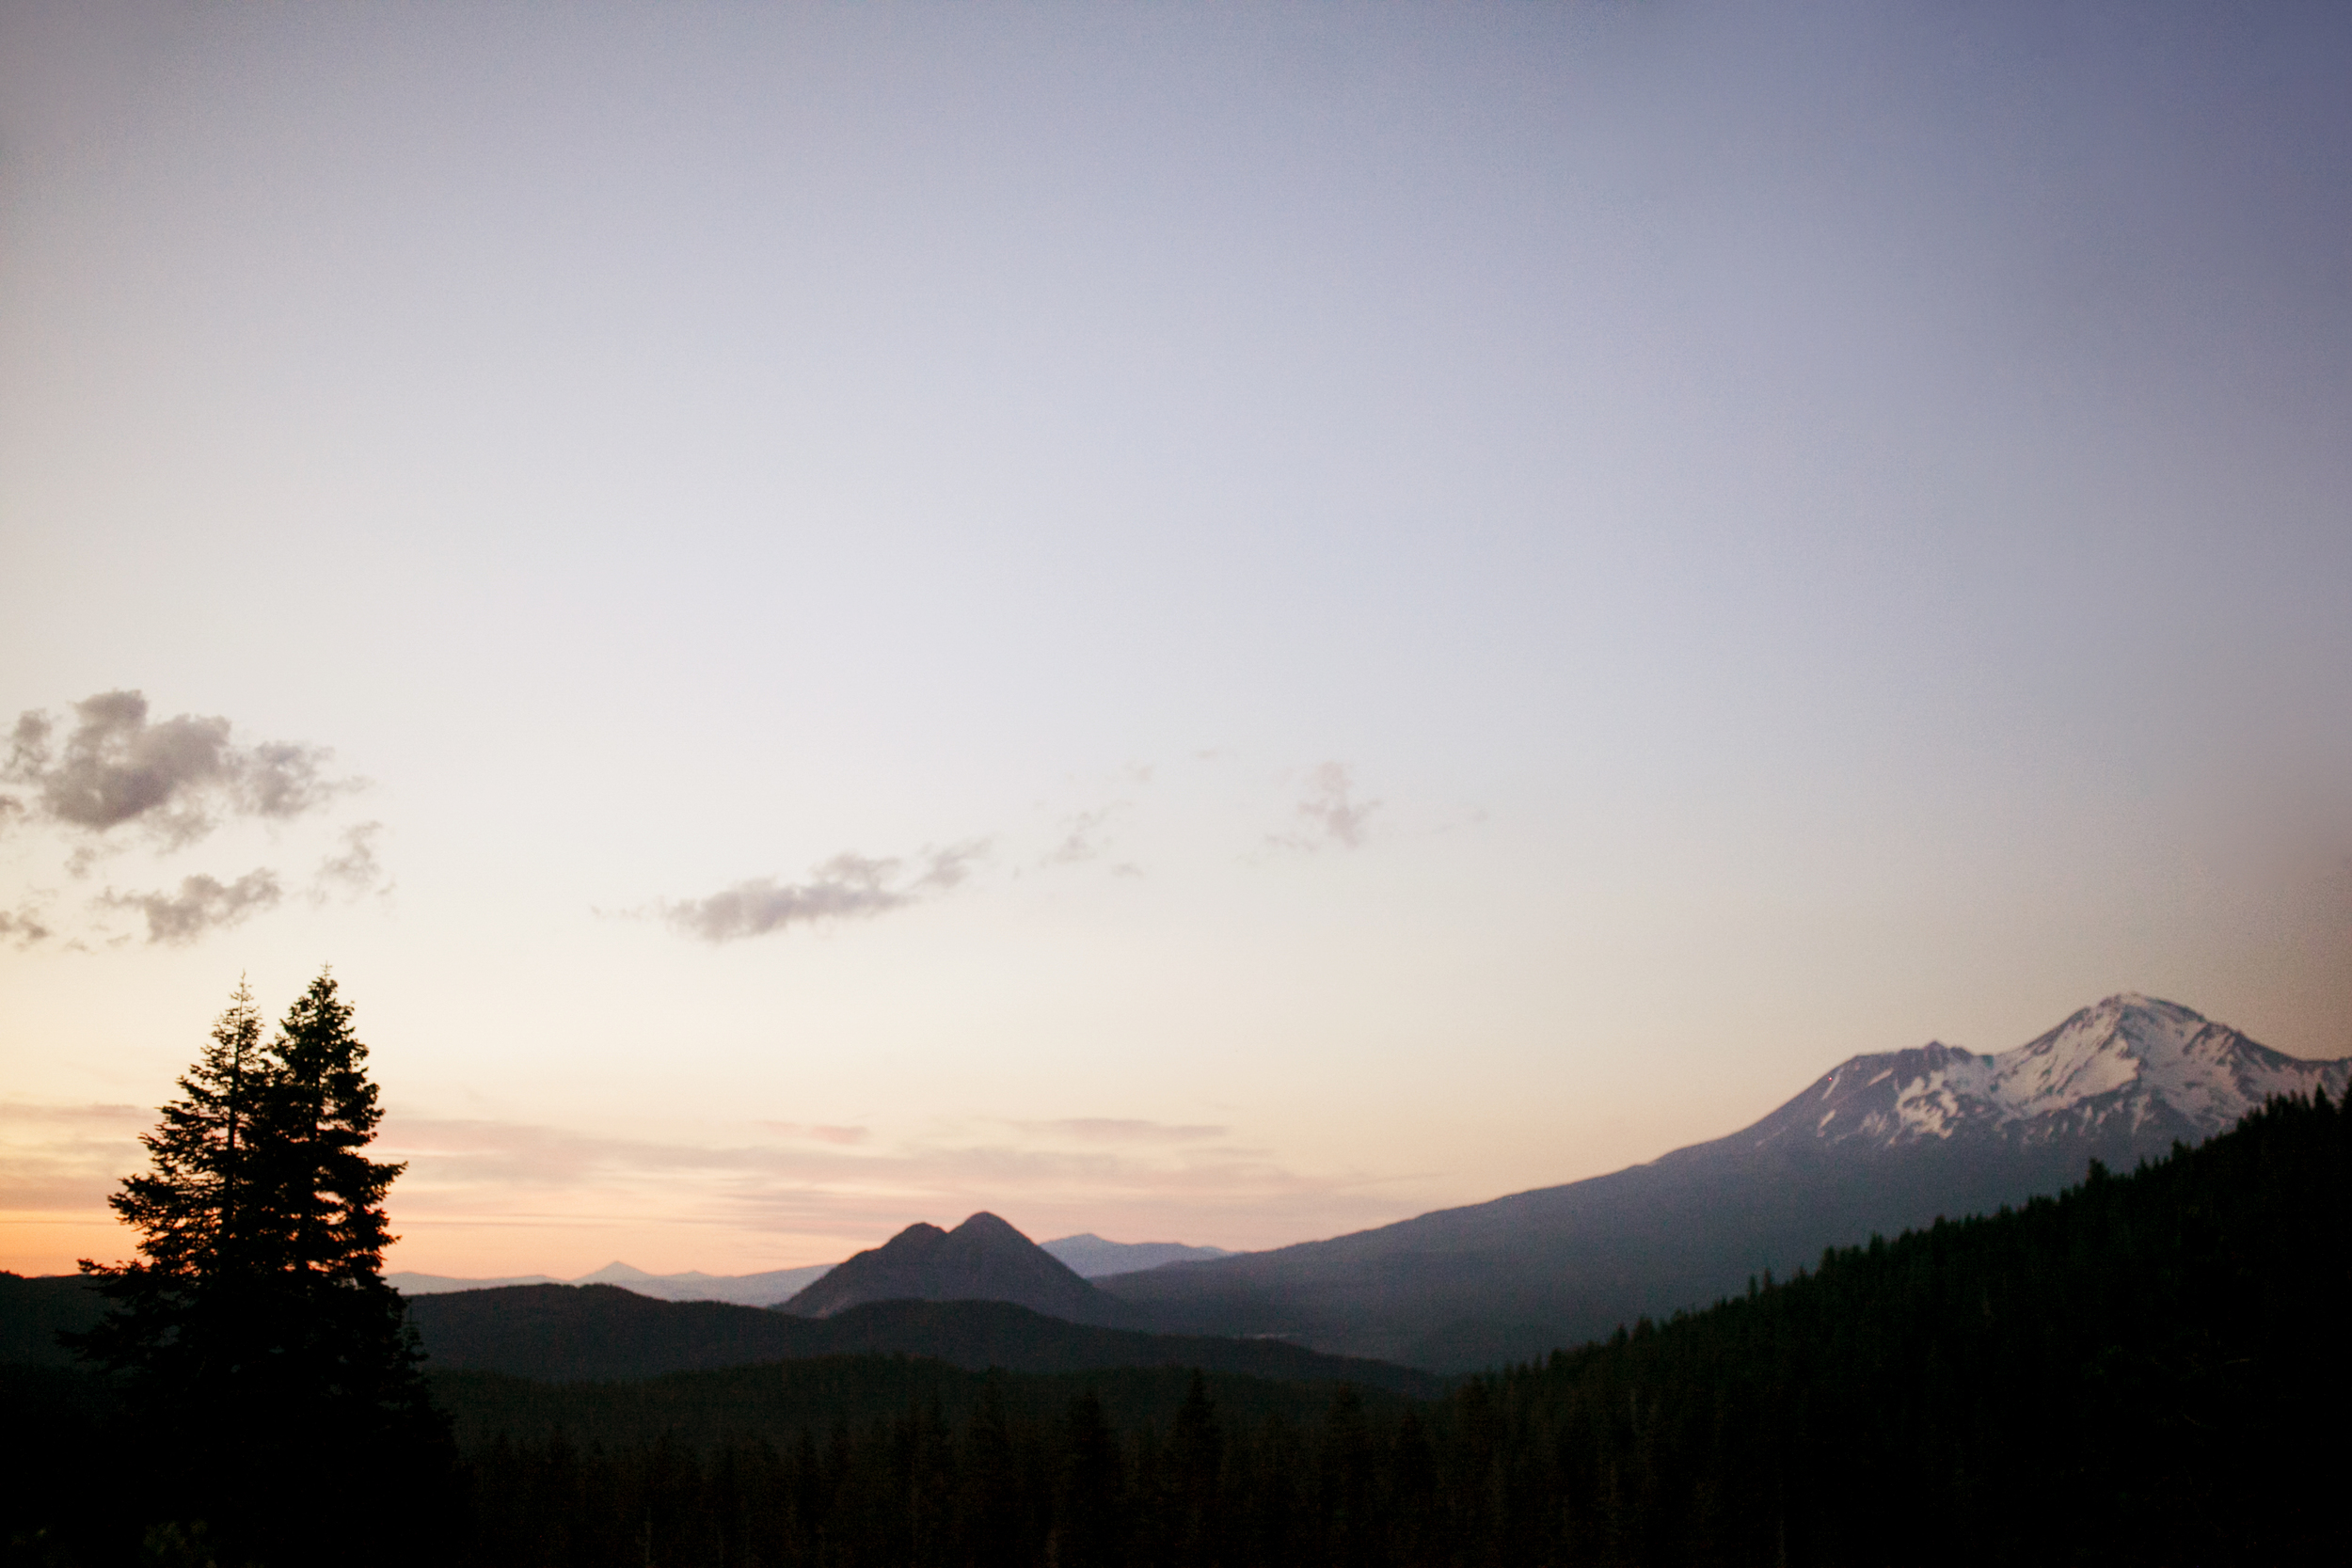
(849, 886)
(203, 904)
(1119, 1129)
(63, 1158)
(1081, 837)
(23, 926)
(178, 779)
(354, 872)
(1331, 812)
(1089, 834)
(821, 1133)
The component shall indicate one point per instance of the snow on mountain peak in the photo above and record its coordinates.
(2131, 1066)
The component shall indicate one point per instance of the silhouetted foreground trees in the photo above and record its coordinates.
(265, 1377)
(2147, 1370)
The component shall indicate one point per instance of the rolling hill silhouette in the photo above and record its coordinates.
(566, 1333)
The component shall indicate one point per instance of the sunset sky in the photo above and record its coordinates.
(1216, 624)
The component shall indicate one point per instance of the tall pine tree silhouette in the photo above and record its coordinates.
(255, 1333)
(174, 1312)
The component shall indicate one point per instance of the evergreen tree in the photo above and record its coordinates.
(171, 1323)
(255, 1335)
(341, 1331)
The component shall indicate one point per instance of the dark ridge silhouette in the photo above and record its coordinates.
(583, 1333)
(35, 1308)
(982, 1260)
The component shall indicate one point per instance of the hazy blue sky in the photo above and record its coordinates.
(1205, 622)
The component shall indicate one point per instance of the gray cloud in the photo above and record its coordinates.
(850, 886)
(1333, 813)
(177, 778)
(23, 927)
(203, 904)
(355, 872)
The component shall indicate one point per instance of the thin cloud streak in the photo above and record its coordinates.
(66, 1159)
(1122, 1130)
(823, 1134)
(850, 886)
(202, 905)
(484, 1172)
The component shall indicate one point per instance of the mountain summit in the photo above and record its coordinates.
(982, 1260)
(2130, 1070)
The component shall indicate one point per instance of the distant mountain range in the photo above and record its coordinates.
(1091, 1258)
(744, 1289)
(1880, 1144)
(1088, 1256)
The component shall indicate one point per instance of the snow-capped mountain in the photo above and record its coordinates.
(2130, 1070)
(1882, 1144)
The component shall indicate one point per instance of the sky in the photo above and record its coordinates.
(1220, 624)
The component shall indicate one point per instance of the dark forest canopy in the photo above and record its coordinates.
(602, 1332)
(2109, 1376)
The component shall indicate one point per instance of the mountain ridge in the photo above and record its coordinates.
(1517, 1276)
(743, 1290)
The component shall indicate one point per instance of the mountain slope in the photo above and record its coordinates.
(982, 1260)
(1880, 1144)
